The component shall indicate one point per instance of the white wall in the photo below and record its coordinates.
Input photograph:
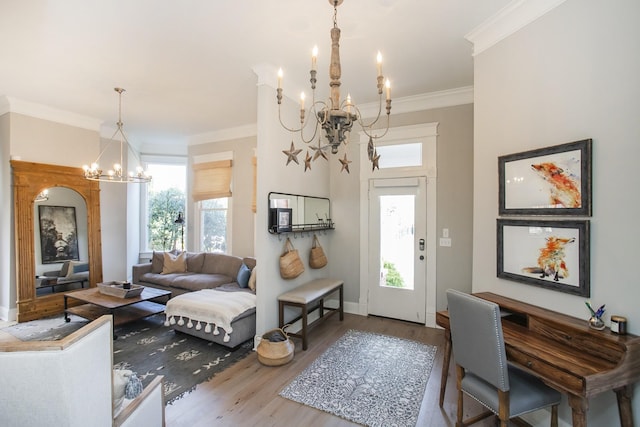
(242, 217)
(570, 75)
(35, 140)
(7, 257)
(273, 175)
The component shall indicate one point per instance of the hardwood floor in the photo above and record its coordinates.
(246, 394)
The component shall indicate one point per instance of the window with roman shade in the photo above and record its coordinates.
(211, 180)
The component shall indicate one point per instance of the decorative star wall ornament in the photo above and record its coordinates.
(374, 157)
(307, 162)
(375, 160)
(370, 149)
(320, 152)
(292, 154)
(345, 163)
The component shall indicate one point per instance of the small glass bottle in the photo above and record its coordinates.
(596, 323)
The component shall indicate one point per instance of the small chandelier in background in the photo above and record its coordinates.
(336, 117)
(116, 174)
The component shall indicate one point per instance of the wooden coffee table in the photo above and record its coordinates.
(123, 310)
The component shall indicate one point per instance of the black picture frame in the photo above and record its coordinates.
(58, 234)
(527, 254)
(547, 181)
(281, 220)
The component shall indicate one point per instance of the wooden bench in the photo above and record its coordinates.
(308, 298)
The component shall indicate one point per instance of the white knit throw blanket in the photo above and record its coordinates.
(208, 308)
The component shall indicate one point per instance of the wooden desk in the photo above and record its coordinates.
(565, 353)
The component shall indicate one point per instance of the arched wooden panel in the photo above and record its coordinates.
(29, 179)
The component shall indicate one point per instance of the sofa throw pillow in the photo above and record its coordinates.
(157, 261)
(120, 380)
(174, 263)
(243, 276)
(252, 279)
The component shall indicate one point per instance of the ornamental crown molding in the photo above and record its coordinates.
(513, 17)
(14, 105)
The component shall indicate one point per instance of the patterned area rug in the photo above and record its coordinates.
(46, 329)
(369, 379)
(149, 348)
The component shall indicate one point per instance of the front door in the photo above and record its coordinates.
(397, 252)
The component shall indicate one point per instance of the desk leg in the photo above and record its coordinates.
(445, 365)
(579, 406)
(624, 406)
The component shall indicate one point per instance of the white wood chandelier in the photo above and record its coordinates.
(336, 117)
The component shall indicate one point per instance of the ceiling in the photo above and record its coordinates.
(187, 66)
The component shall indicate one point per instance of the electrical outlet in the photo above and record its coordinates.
(445, 232)
(445, 241)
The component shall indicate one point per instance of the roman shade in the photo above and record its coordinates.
(211, 180)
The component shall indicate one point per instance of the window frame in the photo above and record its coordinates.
(146, 160)
(197, 205)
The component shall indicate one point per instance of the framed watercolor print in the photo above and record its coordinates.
(58, 233)
(548, 181)
(548, 254)
(281, 220)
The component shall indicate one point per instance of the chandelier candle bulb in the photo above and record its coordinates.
(314, 57)
(379, 63)
(280, 78)
(302, 100)
(388, 86)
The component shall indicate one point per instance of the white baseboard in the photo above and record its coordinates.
(8, 314)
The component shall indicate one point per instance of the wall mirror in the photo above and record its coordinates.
(66, 189)
(60, 241)
(294, 212)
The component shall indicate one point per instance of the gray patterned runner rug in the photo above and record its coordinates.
(366, 378)
(149, 348)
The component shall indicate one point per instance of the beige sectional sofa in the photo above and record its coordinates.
(203, 271)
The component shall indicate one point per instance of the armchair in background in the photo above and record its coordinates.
(70, 272)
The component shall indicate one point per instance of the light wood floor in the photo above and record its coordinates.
(246, 394)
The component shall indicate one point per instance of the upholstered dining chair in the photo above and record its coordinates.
(482, 370)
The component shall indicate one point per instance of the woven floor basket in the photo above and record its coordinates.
(275, 348)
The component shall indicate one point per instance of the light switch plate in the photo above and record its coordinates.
(445, 241)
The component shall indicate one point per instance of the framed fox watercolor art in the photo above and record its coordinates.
(547, 181)
(549, 254)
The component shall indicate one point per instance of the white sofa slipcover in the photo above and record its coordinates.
(69, 383)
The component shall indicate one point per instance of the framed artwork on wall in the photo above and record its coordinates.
(58, 234)
(281, 219)
(548, 254)
(547, 181)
